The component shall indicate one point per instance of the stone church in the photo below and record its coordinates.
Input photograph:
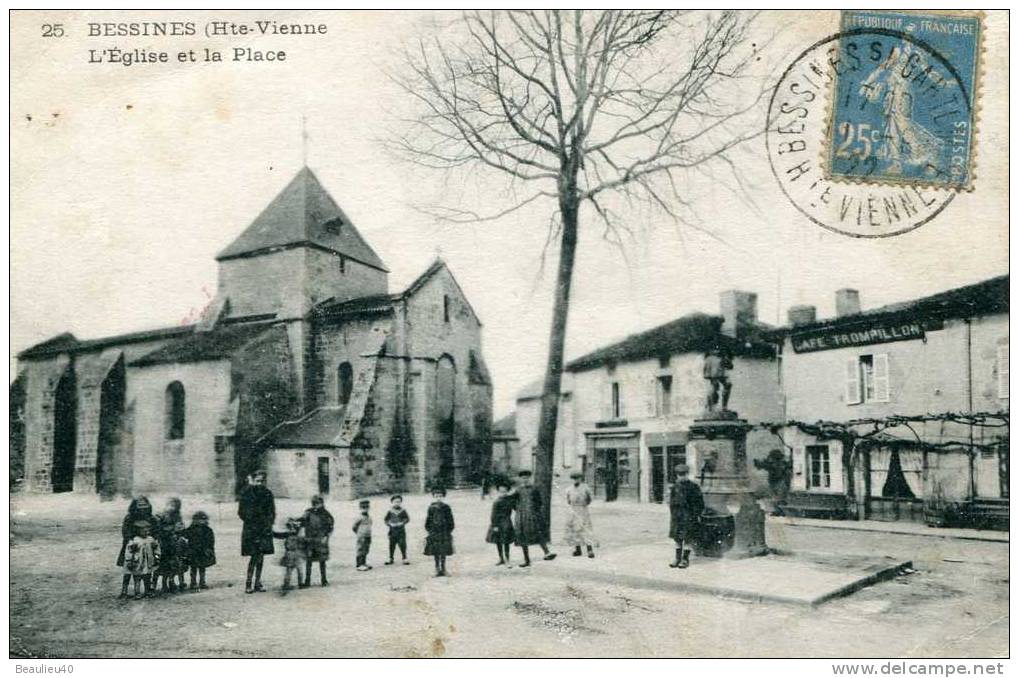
(304, 364)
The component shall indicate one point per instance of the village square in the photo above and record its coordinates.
(334, 389)
(526, 420)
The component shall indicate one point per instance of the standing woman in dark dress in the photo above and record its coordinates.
(257, 510)
(529, 526)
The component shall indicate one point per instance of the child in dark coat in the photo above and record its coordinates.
(139, 511)
(294, 552)
(500, 529)
(169, 540)
(396, 520)
(439, 525)
(201, 549)
(318, 525)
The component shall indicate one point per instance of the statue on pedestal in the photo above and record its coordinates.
(717, 363)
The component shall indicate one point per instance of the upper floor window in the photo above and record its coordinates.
(818, 467)
(617, 405)
(445, 308)
(1003, 371)
(663, 395)
(174, 411)
(867, 379)
(344, 382)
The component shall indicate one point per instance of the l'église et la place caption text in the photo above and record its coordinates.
(122, 40)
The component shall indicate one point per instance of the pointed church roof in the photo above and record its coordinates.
(303, 214)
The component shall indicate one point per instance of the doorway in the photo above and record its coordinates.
(323, 475)
(664, 460)
(65, 432)
(607, 473)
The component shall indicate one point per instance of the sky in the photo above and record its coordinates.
(126, 182)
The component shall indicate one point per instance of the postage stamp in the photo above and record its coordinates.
(904, 106)
(797, 137)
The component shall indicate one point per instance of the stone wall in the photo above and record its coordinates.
(263, 384)
(290, 282)
(355, 340)
(369, 471)
(185, 466)
(267, 283)
(91, 371)
(429, 335)
(326, 278)
(41, 379)
(293, 472)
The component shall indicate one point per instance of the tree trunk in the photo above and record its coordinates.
(544, 456)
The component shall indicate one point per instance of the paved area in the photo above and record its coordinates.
(796, 578)
(895, 528)
(63, 587)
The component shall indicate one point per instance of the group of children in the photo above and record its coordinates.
(160, 547)
(157, 550)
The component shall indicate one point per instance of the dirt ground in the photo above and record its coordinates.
(64, 587)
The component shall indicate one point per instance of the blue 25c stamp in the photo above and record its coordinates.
(903, 107)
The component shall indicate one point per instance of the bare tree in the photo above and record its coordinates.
(575, 107)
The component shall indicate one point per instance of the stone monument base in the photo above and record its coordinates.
(733, 523)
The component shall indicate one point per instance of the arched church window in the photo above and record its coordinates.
(345, 382)
(175, 411)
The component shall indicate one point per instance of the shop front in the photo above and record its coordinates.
(612, 465)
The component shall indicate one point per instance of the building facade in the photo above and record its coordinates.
(303, 363)
(900, 412)
(626, 409)
(893, 413)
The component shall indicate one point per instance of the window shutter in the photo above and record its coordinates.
(677, 399)
(799, 468)
(881, 377)
(606, 400)
(836, 466)
(623, 383)
(852, 381)
(1003, 371)
(651, 397)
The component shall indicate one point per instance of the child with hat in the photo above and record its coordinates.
(579, 530)
(439, 525)
(363, 530)
(529, 526)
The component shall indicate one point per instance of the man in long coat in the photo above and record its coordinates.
(529, 526)
(257, 510)
(685, 507)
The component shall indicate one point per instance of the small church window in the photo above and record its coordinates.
(175, 412)
(345, 378)
(343, 265)
(333, 226)
(445, 308)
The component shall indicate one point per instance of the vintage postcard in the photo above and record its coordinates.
(519, 334)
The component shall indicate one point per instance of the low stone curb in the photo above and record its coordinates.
(883, 573)
(938, 533)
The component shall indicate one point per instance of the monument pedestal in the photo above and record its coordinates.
(733, 524)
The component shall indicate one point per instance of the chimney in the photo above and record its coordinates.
(847, 302)
(802, 315)
(738, 310)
